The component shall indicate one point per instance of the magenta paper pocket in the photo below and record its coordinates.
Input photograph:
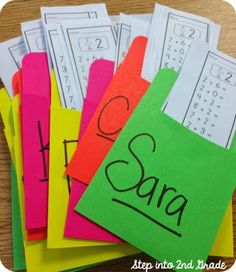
(35, 106)
(77, 226)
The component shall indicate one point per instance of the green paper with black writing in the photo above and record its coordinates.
(161, 187)
(17, 236)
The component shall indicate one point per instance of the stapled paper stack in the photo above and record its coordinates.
(121, 135)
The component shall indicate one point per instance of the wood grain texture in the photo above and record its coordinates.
(19, 11)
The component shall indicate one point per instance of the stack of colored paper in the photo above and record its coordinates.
(121, 135)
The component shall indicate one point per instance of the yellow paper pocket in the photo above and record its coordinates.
(64, 130)
(5, 110)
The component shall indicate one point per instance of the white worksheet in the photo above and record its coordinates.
(171, 35)
(87, 41)
(11, 55)
(115, 22)
(204, 96)
(33, 34)
(129, 29)
(63, 70)
(55, 15)
(142, 16)
(52, 16)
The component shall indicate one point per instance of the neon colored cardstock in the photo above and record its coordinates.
(32, 234)
(224, 242)
(35, 104)
(170, 182)
(38, 257)
(117, 104)
(36, 234)
(17, 82)
(5, 109)
(64, 128)
(17, 236)
(77, 226)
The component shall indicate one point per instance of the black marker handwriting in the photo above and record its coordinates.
(65, 143)
(102, 132)
(172, 203)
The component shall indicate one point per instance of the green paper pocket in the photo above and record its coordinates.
(162, 188)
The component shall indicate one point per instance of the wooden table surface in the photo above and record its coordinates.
(19, 11)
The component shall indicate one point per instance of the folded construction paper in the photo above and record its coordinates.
(17, 82)
(77, 226)
(5, 109)
(163, 178)
(100, 76)
(36, 234)
(117, 104)
(17, 236)
(64, 128)
(35, 103)
(38, 257)
(224, 242)
(32, 234)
